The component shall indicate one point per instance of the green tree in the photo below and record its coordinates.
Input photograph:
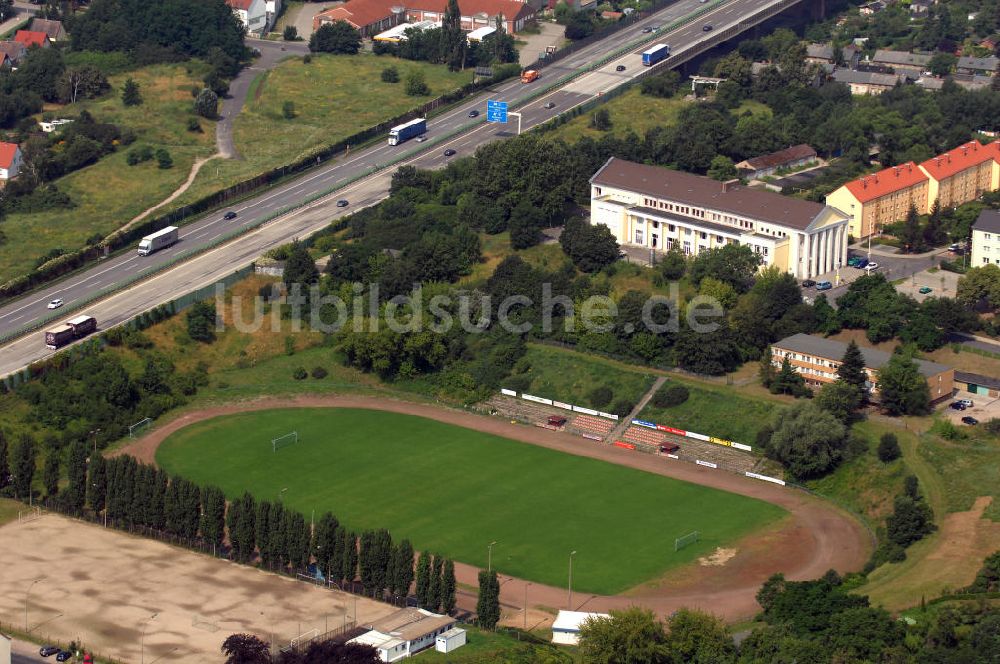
(300, 268)
(632, 635)
(888, 448)
(213, 522)
(910, 521)
(423, 578)
(525, 224)
(206, 104)
(5, 479)
(201, 321)
(673, 265)
(390, 74)
(911, 236)
(732, 263)
(404, 568)
(448, 586)
(453, 41)
(7, 10)
(416, 86)
(840, 399)
(434, 585)
(50, 474)
(131, 96)
(696, 637)
(590, 247)
(722, 168)
(24, 466)
(902, 389)
(807, 440)
(988, 577)
(980, 285)
(246, 649)
(290, 33)
(97, 483)
(601, 119)
(488, 604)
(76, 490)
(941, 63)
(852, 368)
(336, 37)
(767, 372)
(288, 110)
(721, 291)
(163, 159)
(788, 380)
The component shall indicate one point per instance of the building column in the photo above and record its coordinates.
(829, 249)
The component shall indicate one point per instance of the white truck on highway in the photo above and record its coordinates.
(158, 240)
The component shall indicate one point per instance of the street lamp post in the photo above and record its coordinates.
(26, 593)
(489, 556)
(569, 587)
(142, 640)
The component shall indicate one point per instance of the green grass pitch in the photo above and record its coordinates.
(453, 491)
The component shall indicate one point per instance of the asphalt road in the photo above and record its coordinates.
(210, 266)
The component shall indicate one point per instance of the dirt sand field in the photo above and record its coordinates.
(816, 537)
(102, 586)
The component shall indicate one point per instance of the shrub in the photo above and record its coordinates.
(622, 407)
(201, 322)
(290, 33)
(390, 75)
(671, 395)
(300, 374)
(289, 346)
(318, 372)
(288, 110)
(600, 396)
(206, 104)
(992, 426)
(416, 86)
(194, 125)
(307, 58)
(888, 448)
(163, 159)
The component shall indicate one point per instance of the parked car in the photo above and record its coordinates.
(669, 448)
(861, 263)
(954, 248)
(449, 152)
(957, 405)
(966, 402)
(48, 651)
(620, 68)
(55, 304)
(64, 656)
(473, 113)
(871, 267)
(342, 202)
(808, 283)
(229, 215)
(968, 419)
(824, 285)
(852, 261)
(924, 290)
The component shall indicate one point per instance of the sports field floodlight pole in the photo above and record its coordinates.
(569, 591)
(94, 434)
(26, 593)
(489, 556)
(142, 641)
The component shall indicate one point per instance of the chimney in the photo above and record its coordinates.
(729, 185)
(876, 178)
(896, 169)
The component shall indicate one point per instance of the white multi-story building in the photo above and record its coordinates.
(658, 208)
(986, 239)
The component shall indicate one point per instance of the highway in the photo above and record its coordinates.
(213, 264)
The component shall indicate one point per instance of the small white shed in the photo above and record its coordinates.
(566, 628)
(450, 640)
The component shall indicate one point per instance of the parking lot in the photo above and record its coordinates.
(984, 408)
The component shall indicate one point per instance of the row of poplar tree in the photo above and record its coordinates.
(131, 494)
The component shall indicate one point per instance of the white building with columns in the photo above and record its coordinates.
(658, 208)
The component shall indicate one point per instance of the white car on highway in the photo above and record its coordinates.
(55, 304)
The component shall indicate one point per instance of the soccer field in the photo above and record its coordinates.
(452, 491)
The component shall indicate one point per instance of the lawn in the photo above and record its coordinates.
(335, 96)
(636, 112)
(454, 490)
(716, 411)
(9, 509)
(570, 376)
(110, 193)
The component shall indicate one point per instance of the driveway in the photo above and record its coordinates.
(271, 53)
(300, 14)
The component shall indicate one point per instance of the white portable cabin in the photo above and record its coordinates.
(452, 639)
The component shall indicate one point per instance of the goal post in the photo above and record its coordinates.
(685, 540)
(139, 426)
(284, 441)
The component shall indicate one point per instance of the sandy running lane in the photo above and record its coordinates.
(816, 537)
(102, 586)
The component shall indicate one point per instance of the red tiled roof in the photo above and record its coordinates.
(964, 156)
(7, 152)
(31, 38)
(360, 13)
(885, 182)
(240, 4)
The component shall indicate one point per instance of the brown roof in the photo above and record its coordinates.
(781, 157)
(706, 192)
(409, 624)
(13, 50)
(361, 13)
(54, 29)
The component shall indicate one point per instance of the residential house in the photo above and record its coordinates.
(919, 9)
(867, 83)
(271, 10)
(10, 161)
(53, 29)
(658, 209)
(903, 62)
(989, 44)
(252, 14)
(978, 66)
(13, 52)
(823, 54)
(882, 198)
(972, 81)
(29, 38)
(930, 82)
(963, 174)
(986, 239)
(872, 8)
(793, 157)
(404, 633)
(817, 359)
(371, 17)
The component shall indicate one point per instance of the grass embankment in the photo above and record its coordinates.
(110, 193)
(335, 96)
(452, 490)
(716, 411)
(9, 509)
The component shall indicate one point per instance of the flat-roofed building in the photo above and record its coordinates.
(659, 208)
(404, 633)
(872, 201)
(817, 359)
